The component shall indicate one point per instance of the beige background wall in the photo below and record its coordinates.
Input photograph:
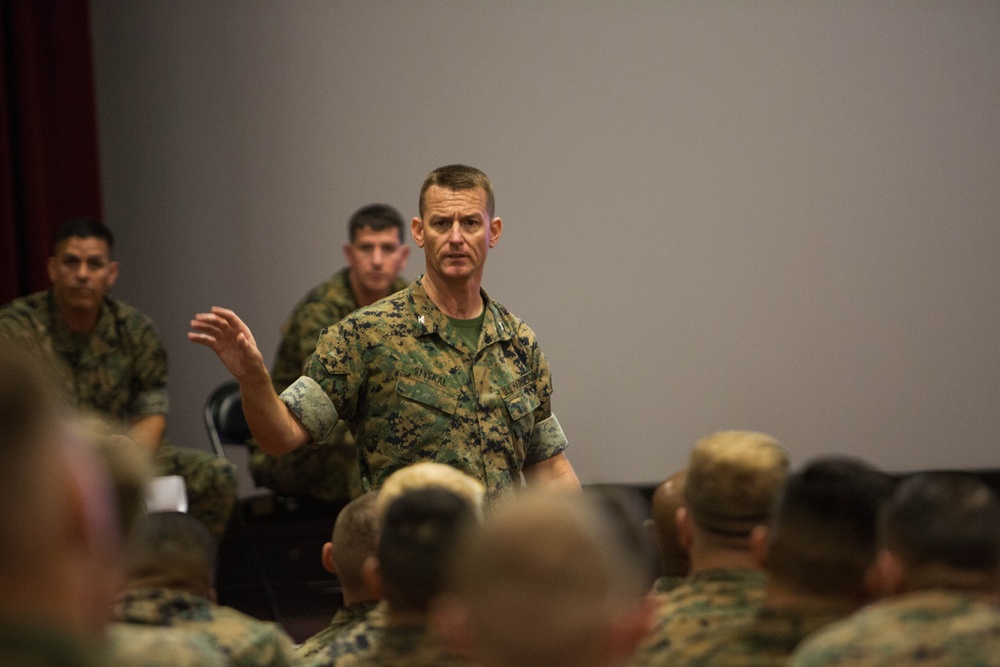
(773, 215)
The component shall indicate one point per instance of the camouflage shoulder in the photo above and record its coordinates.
(130, 645)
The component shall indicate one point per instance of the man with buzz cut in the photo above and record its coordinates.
(110, 361)
(375, 256)
(438, 372)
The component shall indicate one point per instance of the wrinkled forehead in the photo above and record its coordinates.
(440, 201)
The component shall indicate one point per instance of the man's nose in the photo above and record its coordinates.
(456, 233)
(378, 257)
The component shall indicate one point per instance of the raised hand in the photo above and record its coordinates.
(231, 339)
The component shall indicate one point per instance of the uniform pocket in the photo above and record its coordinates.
(426, 393)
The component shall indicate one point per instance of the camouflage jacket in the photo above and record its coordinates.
(411, 390)
(932, 628)
(665, 584)
(244, 639)
(706, 604)
(119, 369)
(323, 305)
(769, 639)
(345, 620)
(402, 646)
(131, 645)
(360, 639)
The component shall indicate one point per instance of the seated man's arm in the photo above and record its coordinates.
(147, 430)
(272, 424)
(555, 470)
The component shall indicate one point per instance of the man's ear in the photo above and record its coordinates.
(51, 265)
(327, 556)
(371, 574)
(890, 573)
(349, 254)
(496, 227)
(684, 529)
(417, 229)
(404, 254)
(112, 273)
(758, 545)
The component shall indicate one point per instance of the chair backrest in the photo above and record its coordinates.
(224, 417)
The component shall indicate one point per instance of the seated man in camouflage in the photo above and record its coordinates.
(110, 360)
(819, 554)
(170, 567)
(550, 580)
(733, 478)
(375, 256)
(354, 541)
(940, 566)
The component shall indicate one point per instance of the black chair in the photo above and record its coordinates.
(279, 537)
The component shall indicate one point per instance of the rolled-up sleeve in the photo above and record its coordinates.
(547, 440)
(312, 407)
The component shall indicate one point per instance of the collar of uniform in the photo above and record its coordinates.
(157, 606)
(430, 319)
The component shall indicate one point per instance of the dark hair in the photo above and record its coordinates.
(376, 217)
(823, 531)
(85, 228)
(165, 542)
(418, 533)
(459, 177)
(951, 519)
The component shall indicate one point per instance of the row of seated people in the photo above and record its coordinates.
(831, 564)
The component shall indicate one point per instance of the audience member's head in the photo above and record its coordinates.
(419, 530)
(941, 530)
(668, 497)
(354, 540)
(59, 541)
(377, 218)
(81, 269)
(546, 580)
(172, 550)
(426, 475)
(821, 542)
(733, 478)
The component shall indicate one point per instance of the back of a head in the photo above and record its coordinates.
(733, 478)
(376, 217)
(943, 519)
(430, 475)
(355, 539)
(823, 532)
(543, 579)
(418, 532)
(171, 550)
(459, 177)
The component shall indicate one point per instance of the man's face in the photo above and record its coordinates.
(82, 273)
(455, 232)
(374, 259)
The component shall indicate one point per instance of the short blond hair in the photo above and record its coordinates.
(429, 474)
(733, 480)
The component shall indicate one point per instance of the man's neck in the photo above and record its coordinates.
(362, 296)
(78, 321)
(459, 300)
(781, 596)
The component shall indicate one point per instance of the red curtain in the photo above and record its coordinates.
(49, 163)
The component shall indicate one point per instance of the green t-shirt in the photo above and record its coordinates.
(469, 330)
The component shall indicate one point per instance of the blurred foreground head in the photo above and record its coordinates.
(59, 536)
(546, 580)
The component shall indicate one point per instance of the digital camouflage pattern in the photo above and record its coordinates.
(38, 647)
(360, 639)
(345, 620)
(665, 584)
(119, 370)
(933, 628)
(131, 645)
(411, 390)
(708, 603)
(769, 639)
(245, 640)
(402, 646)
(329, 470)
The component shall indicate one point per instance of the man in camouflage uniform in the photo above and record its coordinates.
(354, 540)
(818, 552)
(733, 478)
(375, 256)
(110, 360)
(131, 645)
(437, 372)
(170, 567)
(940, 564)
(668, 497)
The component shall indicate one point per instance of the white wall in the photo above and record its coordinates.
(782, 216)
